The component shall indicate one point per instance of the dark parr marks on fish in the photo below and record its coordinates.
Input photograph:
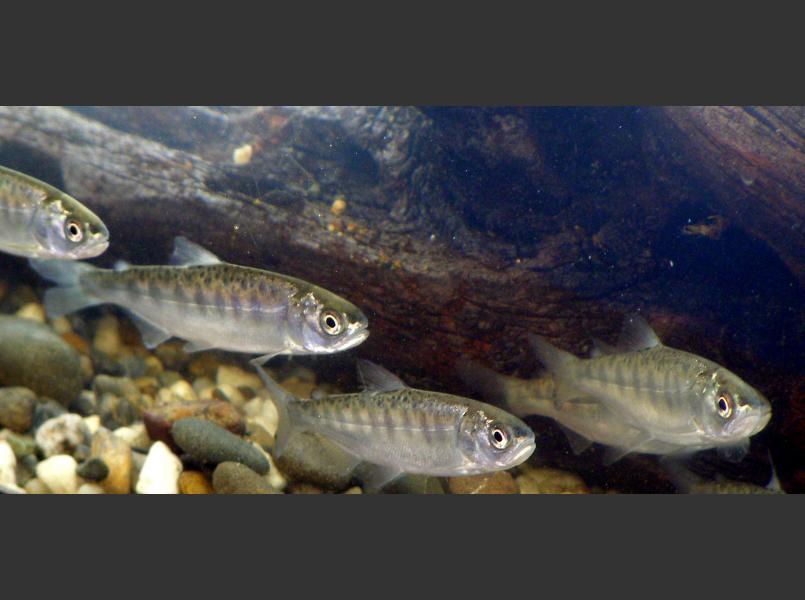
(236, 304)
(424, 426)
(220, 302)
(199, 299)
(620, 377)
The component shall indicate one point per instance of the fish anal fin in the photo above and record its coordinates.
(636, 335)
(187, 253)
(375, 477)
(614, 453)
(153, 335)
(578, 443)
(377, 379)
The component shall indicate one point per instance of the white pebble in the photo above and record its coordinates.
(35, 486)
(90, 488)
(134, 435)
(8, 464)
(237, 377)
(160, 473)
(93, 422)
(184, 391)
(33, 311)
(62, 434)
(58, 474)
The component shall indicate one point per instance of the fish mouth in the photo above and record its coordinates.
(356, 338)
(92, 250)
(523, 454)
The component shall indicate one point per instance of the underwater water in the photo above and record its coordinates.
(402, 300)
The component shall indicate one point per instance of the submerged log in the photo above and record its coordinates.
(462, 230)
(753, 160)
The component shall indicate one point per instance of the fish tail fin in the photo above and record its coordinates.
(521, 397)
(554, 359)
(68, 297)
(283, 401)
(62, 272)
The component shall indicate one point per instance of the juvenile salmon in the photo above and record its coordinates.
(212, 304)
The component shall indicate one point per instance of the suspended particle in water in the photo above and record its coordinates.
(243, 155)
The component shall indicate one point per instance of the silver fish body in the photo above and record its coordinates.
(212, 304)
(584, 419)
(40, 221)
(671, 395)
(406, 430)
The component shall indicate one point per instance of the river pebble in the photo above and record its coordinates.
(207, 442)
(58, 473)
(17, 405)
(160, 473)
(235, 478)
(49, 366)
(62, 434)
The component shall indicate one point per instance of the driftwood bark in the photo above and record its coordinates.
(753, 158)
(464, 229)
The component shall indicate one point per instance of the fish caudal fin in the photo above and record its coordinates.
(521, 397)
(282, 400)
(69, 297)
(554, 359)
(63, 272)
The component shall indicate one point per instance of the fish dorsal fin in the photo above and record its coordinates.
(637, 335)
(377, 379)
(186, 252)
(601, 348)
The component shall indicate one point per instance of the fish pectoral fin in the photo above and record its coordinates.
(261, 360)
(377, 379)
(578, 443)
(636, 335)
(187, 253)
(735, 453)
(613, 454)
(153, 335)
(375, 477)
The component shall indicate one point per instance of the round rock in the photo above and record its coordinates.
(49, 366)
(58, 473)
(208, 442)
(235, 478)
(93, 469)
(17, 406)
(62, 434)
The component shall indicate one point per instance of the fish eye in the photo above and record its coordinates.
(499, 437)
(73, 231)
(724, 406)
(330, 322)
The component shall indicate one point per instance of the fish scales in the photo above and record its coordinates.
(40, 221)
(212, 304)
(400, 424)
(671, 395)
